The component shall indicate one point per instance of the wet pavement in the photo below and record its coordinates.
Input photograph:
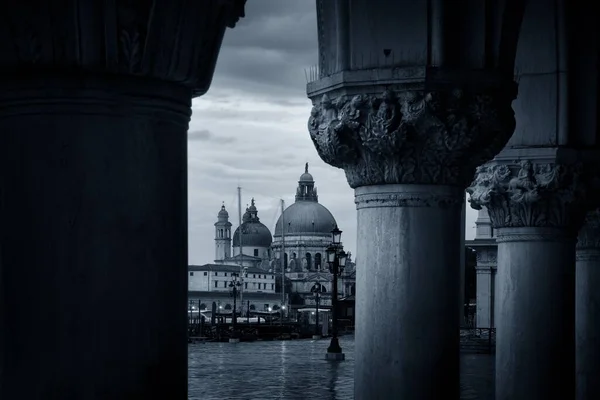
(297, 370)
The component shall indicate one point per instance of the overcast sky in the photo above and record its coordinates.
(250, 130)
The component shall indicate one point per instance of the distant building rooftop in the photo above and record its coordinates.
(226, 268)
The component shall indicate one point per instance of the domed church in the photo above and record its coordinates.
(305, 228)
(255, 240)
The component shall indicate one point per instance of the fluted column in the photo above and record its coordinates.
(409, 154)
(94, 110)
(587, 308)
(536, 210)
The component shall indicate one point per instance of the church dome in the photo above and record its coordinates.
(306, 177)
(254, 232)
(306, 218)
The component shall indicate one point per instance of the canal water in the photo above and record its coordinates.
(296, 370)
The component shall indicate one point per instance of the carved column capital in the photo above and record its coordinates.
(589, 234)
(412, 136)
(176, 41)
(526, 194)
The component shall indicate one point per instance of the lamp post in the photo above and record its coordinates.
(234, 285)
(336, 258)
(316, 290)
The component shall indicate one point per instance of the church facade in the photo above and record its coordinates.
(302, 234)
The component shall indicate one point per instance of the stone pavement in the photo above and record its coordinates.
(296, 370)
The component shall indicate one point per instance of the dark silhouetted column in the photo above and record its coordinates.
(94, 110)
(587, 308)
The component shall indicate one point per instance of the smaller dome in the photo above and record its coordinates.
(306, 177)
(223, 213)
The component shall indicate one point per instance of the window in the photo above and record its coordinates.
(266, 307)
(216, 283)
(252, 307)
(191, 274)
(272, 286)
(246, 275)
(308, 261)
(216, 274)
(225, 274)
(318, 261)
(285, 260)
(205, 273)
(254, 275)
(225, 284)
(245, 285)
(255, 252)
(259, 286)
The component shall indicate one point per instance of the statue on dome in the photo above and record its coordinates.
(306, 168)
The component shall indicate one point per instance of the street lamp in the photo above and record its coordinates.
(316, 290)
(336, 258)
(234, 285)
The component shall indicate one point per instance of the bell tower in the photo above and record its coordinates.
(222, 235)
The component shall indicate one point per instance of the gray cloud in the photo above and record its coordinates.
(204, 135)
(269, 50)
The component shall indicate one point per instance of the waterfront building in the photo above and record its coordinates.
(306, 226)
(486, 250)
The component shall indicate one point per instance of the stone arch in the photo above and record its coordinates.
(318, 261)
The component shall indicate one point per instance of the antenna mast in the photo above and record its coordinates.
(240, 243)
(282, 256)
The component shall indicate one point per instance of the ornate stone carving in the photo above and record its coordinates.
(530, 195)
(175, 41)
(412, 136)
(589, 234)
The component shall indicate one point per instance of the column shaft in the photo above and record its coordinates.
(587, 308)
(535, 341)
(486, 277)
(93, 262)
(407, 327)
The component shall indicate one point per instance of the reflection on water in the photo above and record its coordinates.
(297, 370)
(269, 370)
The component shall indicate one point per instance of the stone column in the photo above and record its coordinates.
(535, 208)
(587, 308)
(94, 111)
(486, 287)
(409, 154)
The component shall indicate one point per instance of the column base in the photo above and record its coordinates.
(317, 337)
(335, 356)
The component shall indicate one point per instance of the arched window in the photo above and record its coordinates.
(318, 261)
(228, 307)
(202, 306)
(308, 261)
(252, 307)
